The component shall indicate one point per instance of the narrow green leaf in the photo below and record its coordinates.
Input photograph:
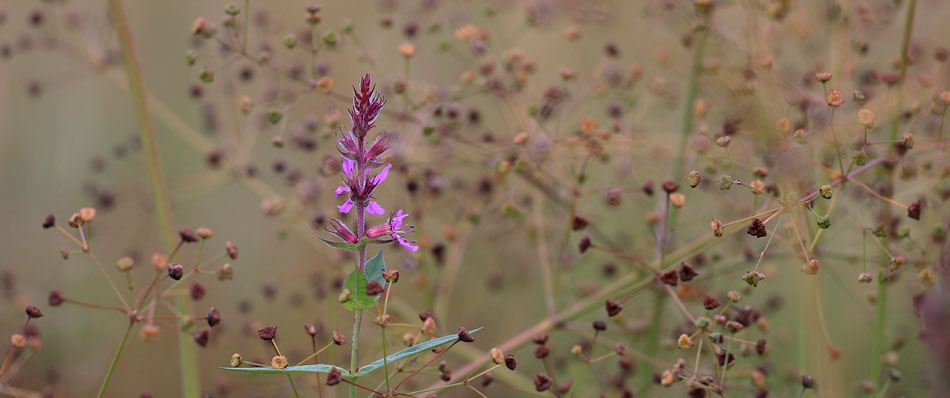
(407, 353)
(342, 245)
(356, 282)
(374, 269)
(410, 352)
(320, 368)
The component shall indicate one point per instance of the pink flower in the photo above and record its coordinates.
(341, 231)
(393, 229)
(354, 188)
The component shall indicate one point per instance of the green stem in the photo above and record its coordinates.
(188, 358)
(902, 70)
(293, 386)
(354, 352)
(878, 347)
(115, 360)
(653, 341)
(691, 91)
(385, 360)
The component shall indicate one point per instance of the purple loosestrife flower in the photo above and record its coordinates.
(392, 230)
(359, 176)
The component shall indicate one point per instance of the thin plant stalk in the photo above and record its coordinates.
(188, 358)
(115, 360)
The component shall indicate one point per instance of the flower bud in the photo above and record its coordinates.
(345, 295)
(824, 222)
(908, 141)
(225, 272)
(800, 137)
(18, 341)
(325, 84)
(56, 298)
(702, 323)
(236, 360)
(724, 141)
(175, 271)
(204, 232)
(124, 264)
(330, 39)
(267, 333)
(725, 182)
(49, 221)
(407, 50)
(159, 261)
(231, 249)
(811, 267)
(865, 277)
(896, 263)
(391, 276)
(428, 326)
(33, 312)
(214, 317)
(678, 200)
(693, 179)
(734, 296)
(825, 191)
(148, 332)
(278, 362)
(334, 377)
(87, 214)
(613, 307)
(510, 361)
(835, 99)
(290, 41)
(823, 77)
(716, 226)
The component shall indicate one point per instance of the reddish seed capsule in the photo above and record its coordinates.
(710, 303)
(465, 336)
(202, 336)
(542, 351)
(599, 326)
(56, 298)
(232, 250)
(542, 382)
(50, 221)
(540, 338)
(578, 223)
(311, 329)
(757, 229)
(197, 291)
(214, 317)
(584, 244)
(334, 377)
(687, 272)
(267, 333)
(669, 277)
(913, 211)
(338, 338)
(187, 235)
(33, 312)
(175, 271)
(613, 307)
(373, 288)
(510, 361)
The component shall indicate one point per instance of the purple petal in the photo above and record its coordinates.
(382, 175)
(346, 206)
(406, 243)
(375, 208)
(348, 166)
(340, 190)
(396, 221)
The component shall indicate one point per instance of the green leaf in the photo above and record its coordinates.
(407, 353)
(374, 269)
(356, 283)
(321, 368)
(343, 245)
(410, 352)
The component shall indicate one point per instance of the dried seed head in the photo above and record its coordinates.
(202, 336)
(428, 326)
(542, 382)
(33, 312)
(214, 317)
(867, 117)
(510, 361)
(757, 228)
(204, 233)
(175, 271)
(87, 214)
(678, 200)
(187, 235)
(373, 288)
(225, 272)
(725, 182)
(17, 340)
(808, 381)
(541, 352)
(716, 226)
(465, 336)
(49, 221)
(613, 307)
(669, 277)
(913, 211)
(338, 338)
(56, 298)
(599, 326)
(584, 244)
(670, 186)
(159, 261)
(236, 360)
(149, 332)
(267, 333)
(334, 377)
(734, 296)
(391, 276)
(231, 249)
(687, 272)
(684, 342)
(710, 303)
(835, 99)
(811, 267)
(497, 356)
(278, 362)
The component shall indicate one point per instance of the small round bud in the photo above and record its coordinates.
(124, 264)
(811, 267)
(716, 227)
(334, 377)
(724, 141)
(225, 272)
(159, 261)
(290, 41)
(391, 275)
(232, 250)
(373, 288)
(236, 360)
(865, 277)
(49, 221)
(214, 317)
(330, 39)
(278, 362)
(149, 332)
(734, 296)
(206, 76)
(667, 378)
(808, 381)
(725, 182)
(56, 298)
(908, 141)
(428, 326)
(465, 336)
(577, 349)
(510, 361)
(204, 233)
(407, 50)
(613, 307)
(274, 116)
(800, 137)
(824, 222)
(678, 200)
(823, 77)
(702, 323)
(599, 326)
(825, 191)
(187, 235)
